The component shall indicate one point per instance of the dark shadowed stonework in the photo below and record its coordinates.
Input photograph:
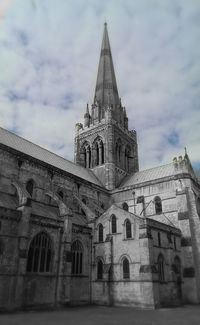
(97, 231)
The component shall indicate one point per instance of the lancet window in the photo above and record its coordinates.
(100, 231)
(113, 224)
(99, 270)
(128, 228)
(126, 269)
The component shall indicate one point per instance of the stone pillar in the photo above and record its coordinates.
(148, 273)
(19, 297)
(195, 236)
(66, 260)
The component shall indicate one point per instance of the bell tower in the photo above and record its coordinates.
(104, 144)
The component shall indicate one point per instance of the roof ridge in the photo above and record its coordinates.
(143, 170)
(37, 145)
(29, 148)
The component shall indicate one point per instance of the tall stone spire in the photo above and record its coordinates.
(104, 143)
(106, 92)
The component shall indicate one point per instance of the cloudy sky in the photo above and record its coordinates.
(49, 53)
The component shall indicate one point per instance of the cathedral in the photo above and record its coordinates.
(99, 230)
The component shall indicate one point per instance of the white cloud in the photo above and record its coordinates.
(49, 52)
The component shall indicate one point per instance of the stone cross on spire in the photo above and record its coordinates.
(106, 92)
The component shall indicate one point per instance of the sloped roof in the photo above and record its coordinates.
(151, 174)
(15, 142)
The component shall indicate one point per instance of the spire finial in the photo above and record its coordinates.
(106, 81)
(185, 151)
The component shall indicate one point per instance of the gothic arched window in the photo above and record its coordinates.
(158, 205)
(40, 254)
(77, 258)
(113, 224)
(161, 270)
(125, 206)
(97, 154)
(99, 270)
(102, 152)
(126, 269)
(30, 187)
(100, 232)
(128, 229)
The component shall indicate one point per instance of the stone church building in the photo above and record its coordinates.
(99, 230)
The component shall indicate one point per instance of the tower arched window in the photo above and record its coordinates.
(128, 229)
(40, 254)
(161, 269)
(113, 224)
(100, 232)
(86, 155)
(126, 269)
(158, 205)
(99, 270)
(125, 206)
(30, 187)
(77, 258)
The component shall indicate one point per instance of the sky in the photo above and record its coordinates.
(49, 53)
